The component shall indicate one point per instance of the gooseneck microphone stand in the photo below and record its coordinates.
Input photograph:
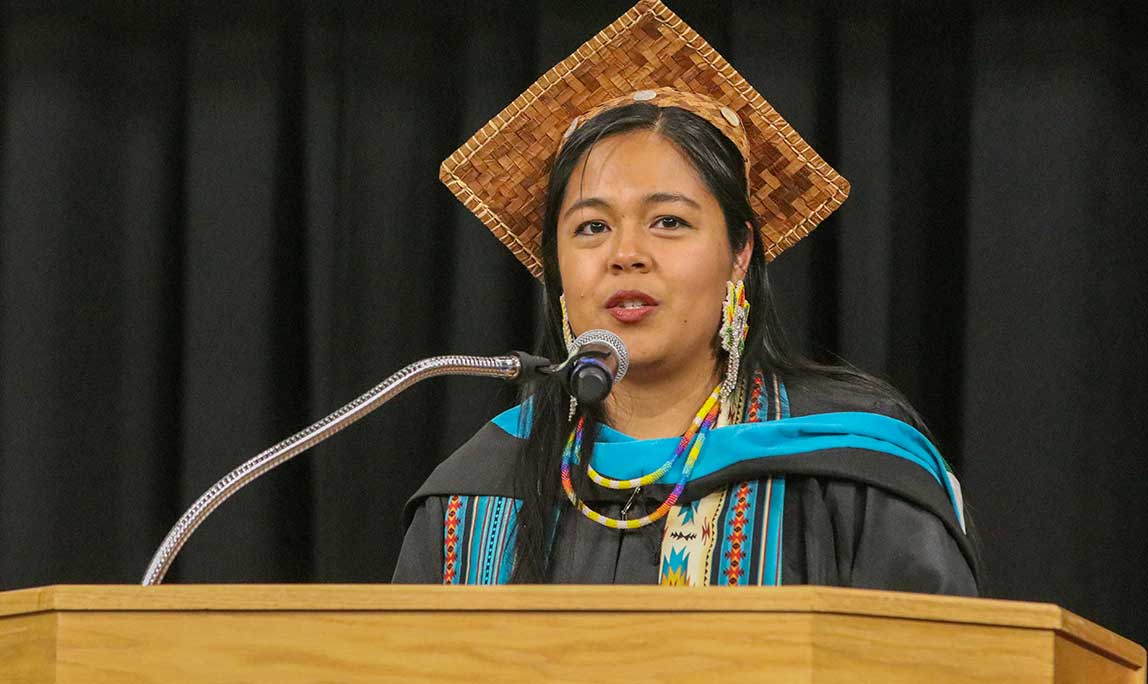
(516, 367)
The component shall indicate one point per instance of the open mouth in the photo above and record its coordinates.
(630, 306)
(630, 299)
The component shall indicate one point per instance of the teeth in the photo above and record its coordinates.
(631, 305)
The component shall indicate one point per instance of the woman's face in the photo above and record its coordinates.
(643, 252)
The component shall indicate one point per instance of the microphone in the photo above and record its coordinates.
(597, 360)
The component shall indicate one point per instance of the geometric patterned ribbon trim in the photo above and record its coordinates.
(478, 539)
(731, 536)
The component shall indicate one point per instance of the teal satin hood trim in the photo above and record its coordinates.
(621, 457)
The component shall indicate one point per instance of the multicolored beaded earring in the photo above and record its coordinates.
(734, 328)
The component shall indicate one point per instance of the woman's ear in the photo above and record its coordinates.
(741, 259)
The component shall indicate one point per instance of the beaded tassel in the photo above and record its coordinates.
(568, 339)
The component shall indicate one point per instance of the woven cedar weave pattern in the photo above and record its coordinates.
(500, 174)
(709, 109)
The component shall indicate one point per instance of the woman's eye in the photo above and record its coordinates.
(590, 228)
(670, 222)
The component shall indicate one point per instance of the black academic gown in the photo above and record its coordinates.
(852, 520)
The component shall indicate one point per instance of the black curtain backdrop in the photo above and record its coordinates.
(221, 221)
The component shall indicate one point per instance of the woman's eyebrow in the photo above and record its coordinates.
(663, 197)
(652, 198)
(596, 202)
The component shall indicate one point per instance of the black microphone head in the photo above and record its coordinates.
(610, 341)
(590, 381)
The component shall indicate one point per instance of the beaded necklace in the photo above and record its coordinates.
(696, 434)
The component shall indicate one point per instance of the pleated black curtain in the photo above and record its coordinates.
(220, 221)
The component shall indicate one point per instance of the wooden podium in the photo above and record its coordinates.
(380, 633)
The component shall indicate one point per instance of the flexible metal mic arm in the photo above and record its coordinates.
(516, 367)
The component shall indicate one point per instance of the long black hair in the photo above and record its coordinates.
(720, 165)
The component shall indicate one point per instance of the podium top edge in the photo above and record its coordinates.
(567, 598)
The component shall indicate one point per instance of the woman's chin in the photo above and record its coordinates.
(640, 343)
(648, 351)
(644, 363)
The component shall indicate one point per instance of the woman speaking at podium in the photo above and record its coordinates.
(647, 185)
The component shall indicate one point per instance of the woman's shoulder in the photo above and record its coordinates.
(810, 394)
(894, 478)
(484, 462)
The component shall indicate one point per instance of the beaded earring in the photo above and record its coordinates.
(567, 331)
(734, 328)
(568, 338)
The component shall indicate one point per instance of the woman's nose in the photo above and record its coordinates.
(629, 252)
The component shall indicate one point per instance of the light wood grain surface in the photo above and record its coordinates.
(353, 633)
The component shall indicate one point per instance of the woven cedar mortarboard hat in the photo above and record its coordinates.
(500, 174)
